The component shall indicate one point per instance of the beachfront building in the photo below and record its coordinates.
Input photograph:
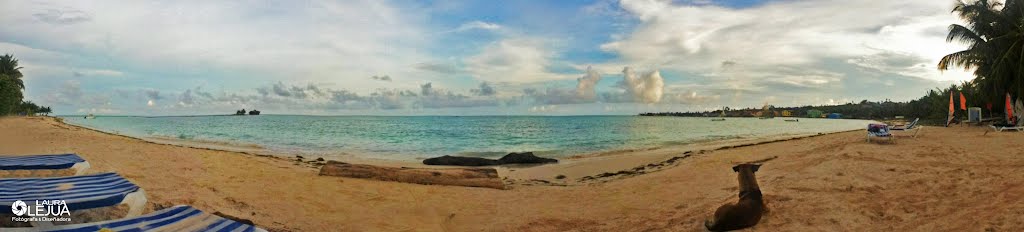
(814, 113)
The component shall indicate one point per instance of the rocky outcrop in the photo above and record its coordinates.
(511, 158)
(525, 158)
(460, 161)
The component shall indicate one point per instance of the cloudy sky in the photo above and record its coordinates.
(472, 57)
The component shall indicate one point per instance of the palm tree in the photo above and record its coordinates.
(9, 67)
(994, 34)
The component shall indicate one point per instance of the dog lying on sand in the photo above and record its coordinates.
(746, 212)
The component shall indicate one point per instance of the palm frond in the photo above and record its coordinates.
(964, 35)
(965, 59)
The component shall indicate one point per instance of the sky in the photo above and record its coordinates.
(445, 57)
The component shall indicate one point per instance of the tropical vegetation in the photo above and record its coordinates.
(994, 34)
(11, 87)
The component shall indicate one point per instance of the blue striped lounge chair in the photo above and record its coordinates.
(178, 218)
(912, 126)
(879, 131)
(44, 162)
(78, 192)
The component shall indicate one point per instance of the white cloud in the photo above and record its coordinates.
(70, 94)
(58, 16)
(586, 85)
(97, 72)
(513, 60)
(698, 38)
(646, 88)
(585, 91)
(478, 25)
(297, 41)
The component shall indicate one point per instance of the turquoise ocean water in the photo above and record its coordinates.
(413, 137)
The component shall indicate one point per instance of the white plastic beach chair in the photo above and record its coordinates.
(912, 126)
(44, 162)
(178, 218)
(78, 192)
(1018, 127)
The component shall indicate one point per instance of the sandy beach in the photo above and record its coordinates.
(947, 179)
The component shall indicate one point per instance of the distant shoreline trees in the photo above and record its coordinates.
(933, 107)
(11, 85)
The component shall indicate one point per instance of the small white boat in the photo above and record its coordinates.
(90, 116)
(721, 116)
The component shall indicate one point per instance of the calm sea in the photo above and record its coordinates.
(407, 138)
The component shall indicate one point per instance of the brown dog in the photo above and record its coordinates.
(746, 212)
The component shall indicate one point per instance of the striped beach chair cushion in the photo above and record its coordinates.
(878, 130)
(880, 134)
(177, 218)
(79, 192)
(34, 162)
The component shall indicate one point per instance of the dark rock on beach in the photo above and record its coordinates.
(525, 158)
(460, 161)
(511, 158)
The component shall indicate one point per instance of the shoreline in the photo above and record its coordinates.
(585, 168)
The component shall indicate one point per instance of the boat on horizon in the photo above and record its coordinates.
(721, 116)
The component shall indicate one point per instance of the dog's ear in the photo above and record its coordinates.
(754, 167)
(736, 168)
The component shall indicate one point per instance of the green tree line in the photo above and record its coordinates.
(933, 107)
(11, 87)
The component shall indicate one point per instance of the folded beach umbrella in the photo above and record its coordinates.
(178, 218)
(963, 101)
(44, 162)
(949, 119)
(1009, 110)
(78, 192)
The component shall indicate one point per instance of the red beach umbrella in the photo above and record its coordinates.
(1009, 110)
(951, 109)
